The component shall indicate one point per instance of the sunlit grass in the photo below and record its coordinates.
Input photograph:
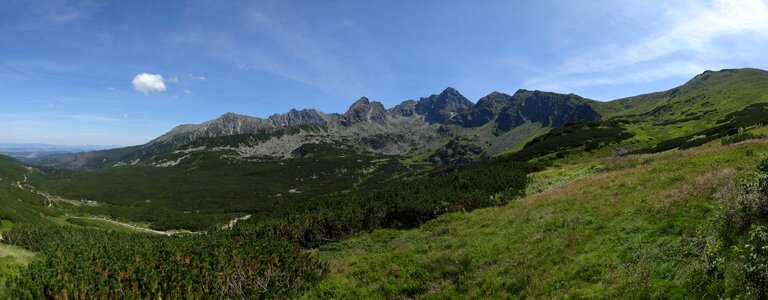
(623, 229)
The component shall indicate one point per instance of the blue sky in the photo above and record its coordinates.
(69, 69)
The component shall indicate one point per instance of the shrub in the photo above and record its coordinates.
(763, 166)
(753, 260)
(749, 205)
(82, 263)
(741, 136)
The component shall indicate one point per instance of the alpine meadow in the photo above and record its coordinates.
(223, 150)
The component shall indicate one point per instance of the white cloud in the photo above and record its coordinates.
(198, 78)
(147, 83)
(693, 34)
(174, 79)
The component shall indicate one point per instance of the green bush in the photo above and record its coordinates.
(77, 263)
(748, 207)
(753, 261)
(741, 136)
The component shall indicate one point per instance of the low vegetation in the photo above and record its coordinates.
(583, 136)
(78, 258)
(638, 229)
(401, 205)
(86, 263)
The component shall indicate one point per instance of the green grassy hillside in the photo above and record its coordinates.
(638, 226)
(694, 106)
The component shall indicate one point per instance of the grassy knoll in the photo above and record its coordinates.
(631, 228)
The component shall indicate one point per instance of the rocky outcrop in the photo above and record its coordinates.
(231, 124)
(486, 110)
(545, 108)
(364, 111)
(549, 109)
(440, 108)
(403, 110)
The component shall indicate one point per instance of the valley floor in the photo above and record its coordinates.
(633, 227)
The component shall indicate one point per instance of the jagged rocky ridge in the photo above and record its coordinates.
(409, 127)
(496, 123)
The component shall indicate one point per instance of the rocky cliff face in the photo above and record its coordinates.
(486, 110)
(549, 109)
(440, 108)
(231, 124)
(364, 111)
(302, 117)
(545, 108)
(403, 110)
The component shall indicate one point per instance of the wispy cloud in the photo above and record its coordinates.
(46, 13)
(197, 77)
(694, 35)
(276, 40)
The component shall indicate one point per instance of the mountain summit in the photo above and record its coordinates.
(440, 108)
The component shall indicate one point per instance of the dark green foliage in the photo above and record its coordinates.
(87, 263)
(380, 140)
(205, 188)
(736, 263)
(740, 137)
(749, 208)
(402, 205)
(328, 151)
(753, 262)
(457, 151)
(590, 135)
(753, 114)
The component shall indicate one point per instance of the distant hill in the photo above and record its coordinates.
(33, 152)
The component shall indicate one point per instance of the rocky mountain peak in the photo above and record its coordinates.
(450, 92)
(405, 109)
(486, 109)
(440, 108)
(230, 116)
(299, 117)
(363, 110)
(361, 103)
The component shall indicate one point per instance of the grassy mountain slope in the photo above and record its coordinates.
(691, 107)
(619, 227)
(725, 90)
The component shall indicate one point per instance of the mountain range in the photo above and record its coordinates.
(498, 123)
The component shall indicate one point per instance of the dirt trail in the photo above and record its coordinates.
(234, 221)
(134, 227)
(48, 197)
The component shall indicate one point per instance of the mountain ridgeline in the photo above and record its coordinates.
(498, 123)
